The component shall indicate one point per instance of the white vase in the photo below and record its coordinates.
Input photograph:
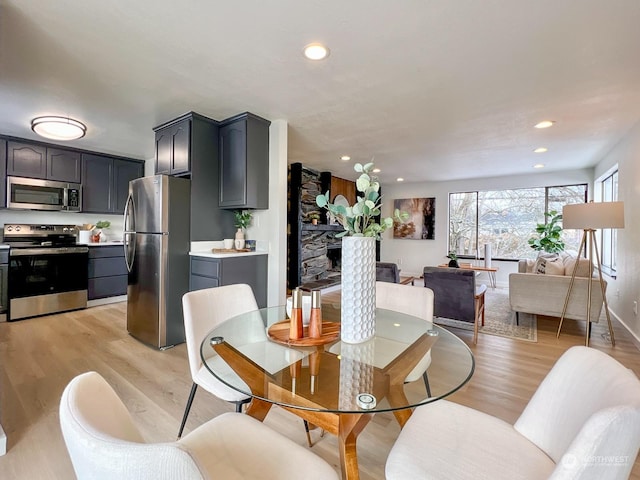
(358, 303)
(239, 240)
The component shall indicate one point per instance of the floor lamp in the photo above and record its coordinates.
(589, 217)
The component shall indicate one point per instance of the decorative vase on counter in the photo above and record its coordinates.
(358, 302)
(239, 241)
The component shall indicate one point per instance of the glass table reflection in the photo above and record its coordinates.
(338, 386)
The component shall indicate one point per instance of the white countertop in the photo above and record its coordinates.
(101, 244)
(204, 249)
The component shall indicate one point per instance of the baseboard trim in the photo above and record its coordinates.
(636, 338)
(3, 442)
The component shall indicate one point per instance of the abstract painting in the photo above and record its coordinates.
(422, 219)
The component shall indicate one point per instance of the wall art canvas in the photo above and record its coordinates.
(422, 219)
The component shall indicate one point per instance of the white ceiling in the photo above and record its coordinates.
(433, 89)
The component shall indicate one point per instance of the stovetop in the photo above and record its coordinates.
(30, 235)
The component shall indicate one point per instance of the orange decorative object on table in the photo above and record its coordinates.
(296, 329)
(315, 320)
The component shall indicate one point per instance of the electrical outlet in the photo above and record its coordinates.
(635, 308)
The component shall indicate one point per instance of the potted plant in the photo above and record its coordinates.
(314, 217)
(358, 268)
(242, 221)
(549, 234)
(453, 260)
(100, 226)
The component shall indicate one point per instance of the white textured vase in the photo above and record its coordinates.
(358, 304)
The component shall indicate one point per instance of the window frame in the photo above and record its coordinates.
(607, 238)
(480, 255)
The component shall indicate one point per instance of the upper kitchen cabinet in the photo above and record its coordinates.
(244, 162)
(188, 146)
(105, 182)
(173, 148)
(37, 161)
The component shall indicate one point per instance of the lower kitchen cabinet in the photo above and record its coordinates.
(207, 272)
(107, 272)
(4, 276)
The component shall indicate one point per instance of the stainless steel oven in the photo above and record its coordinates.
(47, 270)
(36, 194)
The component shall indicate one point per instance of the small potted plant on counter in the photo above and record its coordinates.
(242, 221)
(97, 232)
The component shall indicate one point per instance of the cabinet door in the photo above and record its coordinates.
(64, 165)
(233, 164)
(180, 148)
(163, 151)
(3, 173)
(123, 172)
(97, 178)
(25, 160)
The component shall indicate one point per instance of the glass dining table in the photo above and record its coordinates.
(332, 384)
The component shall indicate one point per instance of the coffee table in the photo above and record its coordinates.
(323, 384)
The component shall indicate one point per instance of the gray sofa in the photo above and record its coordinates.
(544, 294)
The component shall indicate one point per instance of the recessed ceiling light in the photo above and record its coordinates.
(399, 179)
(316, 51)
(58, 128)
(540, 150)
(376, 170)
(345, 158)
(539, 165)
(544, 124)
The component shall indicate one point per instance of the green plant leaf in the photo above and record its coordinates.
(358, 167)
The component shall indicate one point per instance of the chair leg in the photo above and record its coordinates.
(240, 404)
(306, 429)
(192, 394)
(426, 383)
(517, 318)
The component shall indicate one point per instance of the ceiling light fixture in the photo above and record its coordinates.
(316, 51)
(376, 170)
(345, 158)
(58, 128)
(540, 150)
(399, 179)
(544, 124)
(539, 165)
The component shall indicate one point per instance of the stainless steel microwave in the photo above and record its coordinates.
(36, 194)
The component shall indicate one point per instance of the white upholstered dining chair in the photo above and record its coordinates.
(410, 300)
(104, 444)
(582, 423)
(203, 310)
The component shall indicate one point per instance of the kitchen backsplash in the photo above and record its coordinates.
(113, 233)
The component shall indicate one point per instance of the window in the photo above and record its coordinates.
(608, 236)
(506, 219)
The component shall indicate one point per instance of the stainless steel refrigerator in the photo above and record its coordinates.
(156, 243)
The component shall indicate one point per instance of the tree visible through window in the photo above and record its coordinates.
(506, 219)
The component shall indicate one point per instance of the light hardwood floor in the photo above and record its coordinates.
(39, 356)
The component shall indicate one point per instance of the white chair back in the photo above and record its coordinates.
(103, 442)
(587, 407)
(205, 309)
(410, 300)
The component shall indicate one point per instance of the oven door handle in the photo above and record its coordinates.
(22, 252)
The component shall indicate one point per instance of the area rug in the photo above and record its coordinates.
(499, 319)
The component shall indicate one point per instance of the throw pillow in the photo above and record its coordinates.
(549, 266)
(585, 267)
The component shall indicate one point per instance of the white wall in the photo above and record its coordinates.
(270, 226)
(414, 255)
(623, 291)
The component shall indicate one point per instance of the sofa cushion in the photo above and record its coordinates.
(547, 265)
(585, 267)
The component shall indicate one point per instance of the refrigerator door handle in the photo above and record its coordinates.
(129, 249)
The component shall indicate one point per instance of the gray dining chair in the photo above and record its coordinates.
(387, 272)
(456, 295)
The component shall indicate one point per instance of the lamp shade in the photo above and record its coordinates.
(592, 216)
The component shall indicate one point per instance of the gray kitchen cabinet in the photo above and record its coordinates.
(209, 272)
(173, 152)
(196, 157)
(105, 182)
(244, 162)
(3, 173)
(107, 272)
(38, 161)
